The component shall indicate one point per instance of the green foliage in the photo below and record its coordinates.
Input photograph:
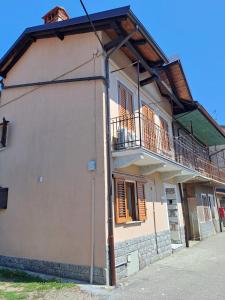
(18, 285)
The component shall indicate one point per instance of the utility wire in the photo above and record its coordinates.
(92, 24)
(58, 77)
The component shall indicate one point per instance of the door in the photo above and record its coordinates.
(173, 214)
(193, 218)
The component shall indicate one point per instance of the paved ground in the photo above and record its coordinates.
(197, 273)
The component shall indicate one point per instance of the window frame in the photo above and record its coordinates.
(135, 202)
(127, 219)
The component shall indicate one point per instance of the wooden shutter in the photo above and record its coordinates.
(4, 132)
(164, 135)
(142, 211)
(122, 101)
(130, 111)
(126, 107)
(149, 134)
(120, 201)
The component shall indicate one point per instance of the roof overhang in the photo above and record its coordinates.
(106, 20)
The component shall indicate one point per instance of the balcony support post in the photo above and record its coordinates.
(139, 103)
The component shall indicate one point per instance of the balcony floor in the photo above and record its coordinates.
(150, 163)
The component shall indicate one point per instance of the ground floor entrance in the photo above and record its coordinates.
(171, 195)
(202, 210)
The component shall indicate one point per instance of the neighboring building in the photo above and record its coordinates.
(101, 167)
(218, 156)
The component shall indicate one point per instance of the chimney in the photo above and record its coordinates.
(55, 15)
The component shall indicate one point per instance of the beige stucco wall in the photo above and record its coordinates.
(156, 203)
(54, 131)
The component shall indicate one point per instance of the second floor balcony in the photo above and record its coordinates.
(135, 131)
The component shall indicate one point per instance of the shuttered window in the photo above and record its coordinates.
(130, 201)
(142, 212)
(126, 107)
(121, 205)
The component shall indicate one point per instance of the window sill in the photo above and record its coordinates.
(133, 222)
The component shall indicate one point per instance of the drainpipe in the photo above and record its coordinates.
(112, 273)
(154, 218)
(185, 216)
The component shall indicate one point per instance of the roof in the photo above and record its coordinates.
(198, 121)
(105, 20)
(177, 79)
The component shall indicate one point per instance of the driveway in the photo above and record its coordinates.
(196, 273)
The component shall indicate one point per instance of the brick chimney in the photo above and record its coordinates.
(55, 15)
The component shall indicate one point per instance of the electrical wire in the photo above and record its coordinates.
(98, 54)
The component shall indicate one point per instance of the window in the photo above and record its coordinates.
(3, 197)
(130, 202)
(3, 133)
(126, 107)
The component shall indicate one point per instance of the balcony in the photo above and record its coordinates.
(135, 131)
(190, 156)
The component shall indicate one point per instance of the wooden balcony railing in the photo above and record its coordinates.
(135, 131)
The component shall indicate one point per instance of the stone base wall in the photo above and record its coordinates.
(150, 248)
(206, 229)
(182, 233)
(54, 268)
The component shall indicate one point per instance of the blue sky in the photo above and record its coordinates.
(193, 30)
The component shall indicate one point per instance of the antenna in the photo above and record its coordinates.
(92, 24)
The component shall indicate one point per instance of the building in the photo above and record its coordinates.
(218, 156)
(98, 159)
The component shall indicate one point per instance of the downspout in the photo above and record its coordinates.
(112, 272)
(185, 216)
(154, 218)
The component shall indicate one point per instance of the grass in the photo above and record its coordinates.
(18, 285)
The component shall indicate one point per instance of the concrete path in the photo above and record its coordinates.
(196, 273)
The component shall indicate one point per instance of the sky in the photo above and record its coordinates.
(193, 30)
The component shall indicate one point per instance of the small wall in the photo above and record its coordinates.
(149, 247)
(206, 229)
(77, 272)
